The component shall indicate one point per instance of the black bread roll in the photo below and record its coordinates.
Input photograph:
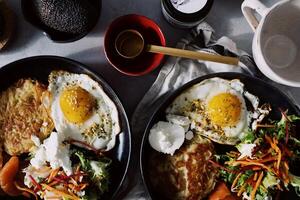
(68, 16)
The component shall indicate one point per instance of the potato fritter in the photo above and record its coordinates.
(187, 175)
(24, 114)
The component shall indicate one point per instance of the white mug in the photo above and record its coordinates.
(276, 43)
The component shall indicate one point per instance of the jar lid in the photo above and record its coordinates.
(187, 17)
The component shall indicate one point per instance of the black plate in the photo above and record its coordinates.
(266, 94)
(39, 68)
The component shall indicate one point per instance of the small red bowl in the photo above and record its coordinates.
(144, 63)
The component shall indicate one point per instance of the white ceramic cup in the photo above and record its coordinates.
(276, 43)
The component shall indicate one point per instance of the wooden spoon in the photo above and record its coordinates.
(130, 44)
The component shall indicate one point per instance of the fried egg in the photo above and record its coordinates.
(217, 109)
(81, 110)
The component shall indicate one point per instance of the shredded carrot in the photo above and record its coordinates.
(83, 186)
(274, 146)
(73, 181)
(26, 190)
(36, 184)
(71, 186)
(275, 141)
(279, 159)
(270, 142)
(62, 193)
(268, 159)
(77, 169)
(253, 193)
(265, 126)
(42, 169)
(53, 197)
(252, 163)
(255, 176)
(242, 189)
(235, 180)
(286, 165)
(53, 183)
(53, 173)
(63, 173)
(279, 187)
(256, 168)
(76, 172)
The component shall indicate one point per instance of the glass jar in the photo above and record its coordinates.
(185, 13)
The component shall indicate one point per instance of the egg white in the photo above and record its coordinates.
(166, 137)
(105, 114)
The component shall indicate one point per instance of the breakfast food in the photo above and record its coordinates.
(58, 136)
(68, 16)
(187, 174)
(81, 109)
(217, 109)
(230, 139)
(23, 114)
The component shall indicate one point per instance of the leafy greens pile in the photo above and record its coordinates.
(97, 170)
(261, 164)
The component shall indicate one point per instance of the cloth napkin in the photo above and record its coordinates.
(175, 73)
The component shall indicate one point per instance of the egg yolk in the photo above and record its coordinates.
(77, 104)
(224, 109)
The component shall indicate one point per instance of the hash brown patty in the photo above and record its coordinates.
(23, 114)
(188, 174)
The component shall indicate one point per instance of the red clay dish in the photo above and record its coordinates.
(144, 63)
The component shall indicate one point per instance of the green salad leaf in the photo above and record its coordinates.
(248, 138)
(295, 182)
(270, 180)
(97, 169)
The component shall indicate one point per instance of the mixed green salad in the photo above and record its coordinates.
(90, 177)
(261, 164)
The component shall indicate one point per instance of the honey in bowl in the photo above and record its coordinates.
(129, 43)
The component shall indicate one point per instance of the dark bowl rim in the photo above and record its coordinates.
(177, 92)
(147, 70)
(109, 90)
(71, 39)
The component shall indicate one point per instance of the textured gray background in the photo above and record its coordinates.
(225, 17)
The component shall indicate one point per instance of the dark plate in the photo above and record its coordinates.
(266, 94)
(39, 68)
